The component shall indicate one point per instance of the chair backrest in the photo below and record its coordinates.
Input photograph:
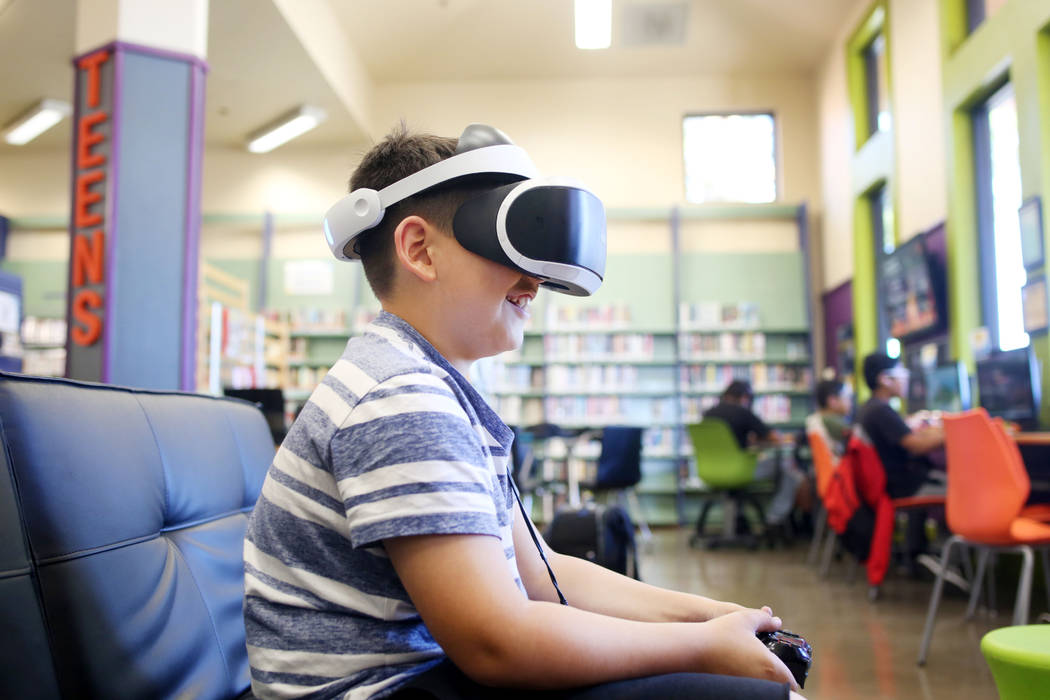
(620, 462)
(720, 463)
(987, 483)
(125, 511)
(823, 461)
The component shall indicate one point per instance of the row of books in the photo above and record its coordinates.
(316, 319)
(560, 378)
(762, 376)
(772, 408)
(595, 347)
(43, 331)
(45, 362)
(722, 345)
(613, 315)
(715, 314)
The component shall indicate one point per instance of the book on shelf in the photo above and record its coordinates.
(716, 315)
(615, 315)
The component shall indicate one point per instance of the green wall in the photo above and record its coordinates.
(1014, 45)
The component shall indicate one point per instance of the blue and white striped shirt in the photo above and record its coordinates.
(393, 442)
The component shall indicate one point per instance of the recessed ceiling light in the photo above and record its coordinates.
(35, 121)
(285, 128)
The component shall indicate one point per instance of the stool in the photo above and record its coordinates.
(1020, 661)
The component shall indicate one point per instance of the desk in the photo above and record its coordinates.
(1035, 452)
(1032, 438)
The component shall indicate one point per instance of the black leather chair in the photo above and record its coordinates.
(123, 516)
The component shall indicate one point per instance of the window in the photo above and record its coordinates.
(998, 168)
(885, 241)
(979, 10)
(730, 158)
(876, 85)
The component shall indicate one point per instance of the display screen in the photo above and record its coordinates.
(948, 388)
(909, 292)
(1009, 386)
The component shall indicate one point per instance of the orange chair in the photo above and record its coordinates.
(824, 464)
(987, 489)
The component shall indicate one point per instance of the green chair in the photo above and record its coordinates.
(1020, 661)
(729, 474)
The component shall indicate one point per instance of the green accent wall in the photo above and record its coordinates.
(43, 286)
(1012, 44)
(873, 165)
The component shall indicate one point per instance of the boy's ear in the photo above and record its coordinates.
(412, 241)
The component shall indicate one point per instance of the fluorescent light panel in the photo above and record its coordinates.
(593, 24)
(293, 124)
(38, 119)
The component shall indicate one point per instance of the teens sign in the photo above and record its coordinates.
(91, 175)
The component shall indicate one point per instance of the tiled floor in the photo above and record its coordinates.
(861, 650)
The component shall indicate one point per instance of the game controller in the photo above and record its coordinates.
(792, 649)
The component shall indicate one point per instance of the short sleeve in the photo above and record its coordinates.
(407, 461)
(888, 425)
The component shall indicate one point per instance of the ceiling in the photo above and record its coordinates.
(259, 68)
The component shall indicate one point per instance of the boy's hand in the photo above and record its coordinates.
(718, 608)
(738, 652)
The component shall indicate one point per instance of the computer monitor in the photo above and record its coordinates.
(947, 388)
(271, 402)
(1009, 386)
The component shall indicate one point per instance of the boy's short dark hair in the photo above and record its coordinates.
(396, 157)
(738, 389)
(875, 364)
(826, 389)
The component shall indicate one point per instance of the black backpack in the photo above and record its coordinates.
(597, 533)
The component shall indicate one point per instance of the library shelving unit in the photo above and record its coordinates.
(318, 337)
(236, 347)
(43, 346)
(663, 336)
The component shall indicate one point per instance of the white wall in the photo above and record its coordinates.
(622, 137)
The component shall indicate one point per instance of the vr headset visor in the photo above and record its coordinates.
(549, 228)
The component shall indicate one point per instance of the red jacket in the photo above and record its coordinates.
(859, 507)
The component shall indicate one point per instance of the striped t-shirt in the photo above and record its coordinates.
(393, 442)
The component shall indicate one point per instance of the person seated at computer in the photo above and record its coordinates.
(734, 407)
(903, 451)
(830, 419)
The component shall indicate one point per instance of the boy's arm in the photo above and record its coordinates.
(462, 587)
(591, 587)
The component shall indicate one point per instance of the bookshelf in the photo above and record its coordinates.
(657, 344)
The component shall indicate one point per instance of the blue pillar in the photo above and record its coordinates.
(135, 224)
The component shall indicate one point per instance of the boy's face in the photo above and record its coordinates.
(895, 379)
(838, 403)
(486, 304)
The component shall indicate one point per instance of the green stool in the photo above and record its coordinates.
(1020, 661)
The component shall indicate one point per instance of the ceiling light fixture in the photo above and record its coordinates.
(284, 129)
(35, 121)
(593, 24)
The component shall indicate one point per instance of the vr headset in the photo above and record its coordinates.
(550, 228)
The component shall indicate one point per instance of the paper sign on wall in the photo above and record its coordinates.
(308, 277)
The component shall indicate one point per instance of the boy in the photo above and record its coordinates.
(830, 418)
(903, 452)
(385, 556)
(734, 407)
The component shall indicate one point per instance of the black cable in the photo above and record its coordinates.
(536, 540)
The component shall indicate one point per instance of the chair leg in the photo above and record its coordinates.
(975, 587)
(702, 520)
(935, 598)
(1024, 587)
(729, 512)
(636, 506)
(991, 583)
(829, 551)
(819, 526)
(1045, 556)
